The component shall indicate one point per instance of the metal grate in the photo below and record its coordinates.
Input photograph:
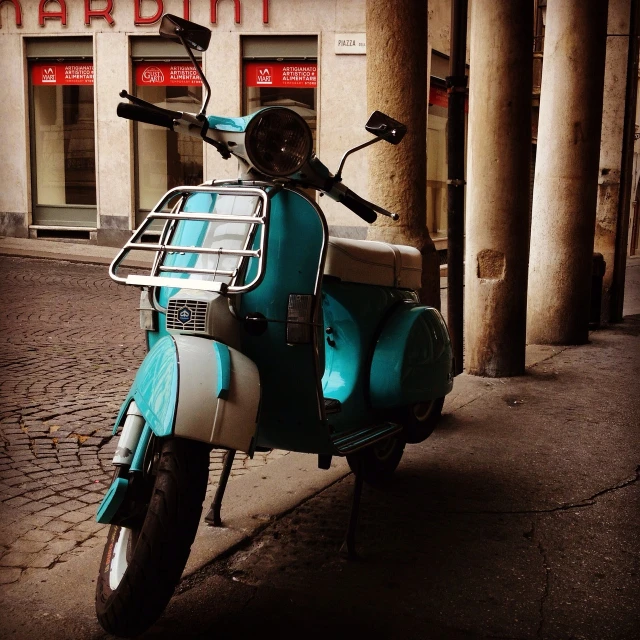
(187, 315)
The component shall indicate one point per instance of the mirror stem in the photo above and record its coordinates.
(338, 175)
(205, 84)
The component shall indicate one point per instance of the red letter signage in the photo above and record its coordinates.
(139, 19)
(265, 11)
(50, 15)
(18, 9)
(214, 11)
(105, 13)
(186, 9)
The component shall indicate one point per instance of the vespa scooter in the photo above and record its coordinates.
(263, 332)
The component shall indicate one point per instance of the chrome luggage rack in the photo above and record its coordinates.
(164, 245)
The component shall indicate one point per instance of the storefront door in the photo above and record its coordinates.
(63, 143)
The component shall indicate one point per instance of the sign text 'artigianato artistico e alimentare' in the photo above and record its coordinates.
(257, 74)
(281, 74)
(43, 73)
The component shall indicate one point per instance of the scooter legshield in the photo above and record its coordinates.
(200, 389)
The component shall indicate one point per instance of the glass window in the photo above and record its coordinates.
(164, 159)
(281, 71)
(288, 84)
(63, 139)
(437, 159)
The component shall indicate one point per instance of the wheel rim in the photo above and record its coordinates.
(120, 557)
(423, 410)
(384, 449)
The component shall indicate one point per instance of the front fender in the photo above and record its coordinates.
(199, 389)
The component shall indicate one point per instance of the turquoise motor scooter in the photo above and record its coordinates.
(263, 332)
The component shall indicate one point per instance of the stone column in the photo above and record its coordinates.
(610, 196)
(497, 233)
(566, 180)
(114, 152)
(397, 85)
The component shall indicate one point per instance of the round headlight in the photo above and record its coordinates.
(278, 142)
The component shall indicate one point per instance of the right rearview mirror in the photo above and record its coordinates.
(385, 127)
(177, 29)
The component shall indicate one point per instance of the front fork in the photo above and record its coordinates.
(129, 457)
(133, 441)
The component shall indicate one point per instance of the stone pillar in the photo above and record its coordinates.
(397, 85)
(566, 180)
(114, 153)
(610, 195)
(497, 233)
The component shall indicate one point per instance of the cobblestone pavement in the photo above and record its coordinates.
(70, 345)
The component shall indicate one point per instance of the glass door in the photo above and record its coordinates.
(63, 143)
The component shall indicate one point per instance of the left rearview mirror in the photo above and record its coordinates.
(385, 127)
(177, 29)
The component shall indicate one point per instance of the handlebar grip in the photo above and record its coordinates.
(359, 206)
(144, 114)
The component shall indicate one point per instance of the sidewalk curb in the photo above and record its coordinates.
(65, 251)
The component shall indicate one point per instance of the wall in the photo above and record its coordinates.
(342, 110)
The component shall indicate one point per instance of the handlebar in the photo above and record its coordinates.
(359, 206)
(150, 115)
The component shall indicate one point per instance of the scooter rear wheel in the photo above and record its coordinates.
(380, 460)
(421, 419)
(141, 566)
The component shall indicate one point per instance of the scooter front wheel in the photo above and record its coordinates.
(379, 461)
(142, 564)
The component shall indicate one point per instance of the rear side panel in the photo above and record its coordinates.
(354, 315)
(412, 361)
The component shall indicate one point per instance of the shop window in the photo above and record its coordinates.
(437, 164)
(437, 158)
(281, 71)
(63, 143)
(164, 159)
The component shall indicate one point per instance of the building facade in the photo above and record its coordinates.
(72, 169)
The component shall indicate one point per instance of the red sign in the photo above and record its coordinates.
(62, 73)
(439, 97)
(167, 74)
(280, 74)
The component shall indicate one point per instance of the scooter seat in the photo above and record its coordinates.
(370, 262)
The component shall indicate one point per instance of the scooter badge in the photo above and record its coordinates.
(184, 315)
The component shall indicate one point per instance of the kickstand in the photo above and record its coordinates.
(213, 517)
(349, 545)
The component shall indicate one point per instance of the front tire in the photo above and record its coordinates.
(142, 565)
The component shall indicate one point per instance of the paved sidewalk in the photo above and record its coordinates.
(516, 519)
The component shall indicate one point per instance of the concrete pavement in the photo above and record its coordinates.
(518, 518)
